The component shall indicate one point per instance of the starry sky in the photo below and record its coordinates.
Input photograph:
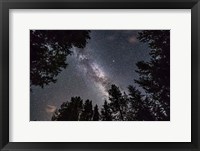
(109, 57)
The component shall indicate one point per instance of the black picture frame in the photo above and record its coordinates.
(5, 5)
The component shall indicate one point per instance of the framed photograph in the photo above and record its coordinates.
(99, 75)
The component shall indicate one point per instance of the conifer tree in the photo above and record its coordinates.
(106, 114)
(49, 50)
(69, 111)
(154, 75)
(87, 112)
(117, 102)
(140, 107)
(96, 113)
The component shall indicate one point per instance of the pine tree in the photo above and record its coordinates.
(69, 111)
(63, 113)
(155, 74)
(139, 107)
(75, 108)
(125, 107)
(87, 112)
(49, 50)
(106, 113)
(117, 102)
(96, 113)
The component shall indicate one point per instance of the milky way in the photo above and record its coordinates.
(110, 57)
(93, 71)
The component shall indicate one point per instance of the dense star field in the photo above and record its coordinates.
(109, 57)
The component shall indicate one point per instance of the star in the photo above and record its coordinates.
(113, 61)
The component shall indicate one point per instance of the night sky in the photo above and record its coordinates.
(110, 57)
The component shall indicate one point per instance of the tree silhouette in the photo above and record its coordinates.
(48, 52)
(117, 102)
(106, 113)
(140, 108)
(69, 111)
(87, 112)
(96, 113)
(155, 74)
